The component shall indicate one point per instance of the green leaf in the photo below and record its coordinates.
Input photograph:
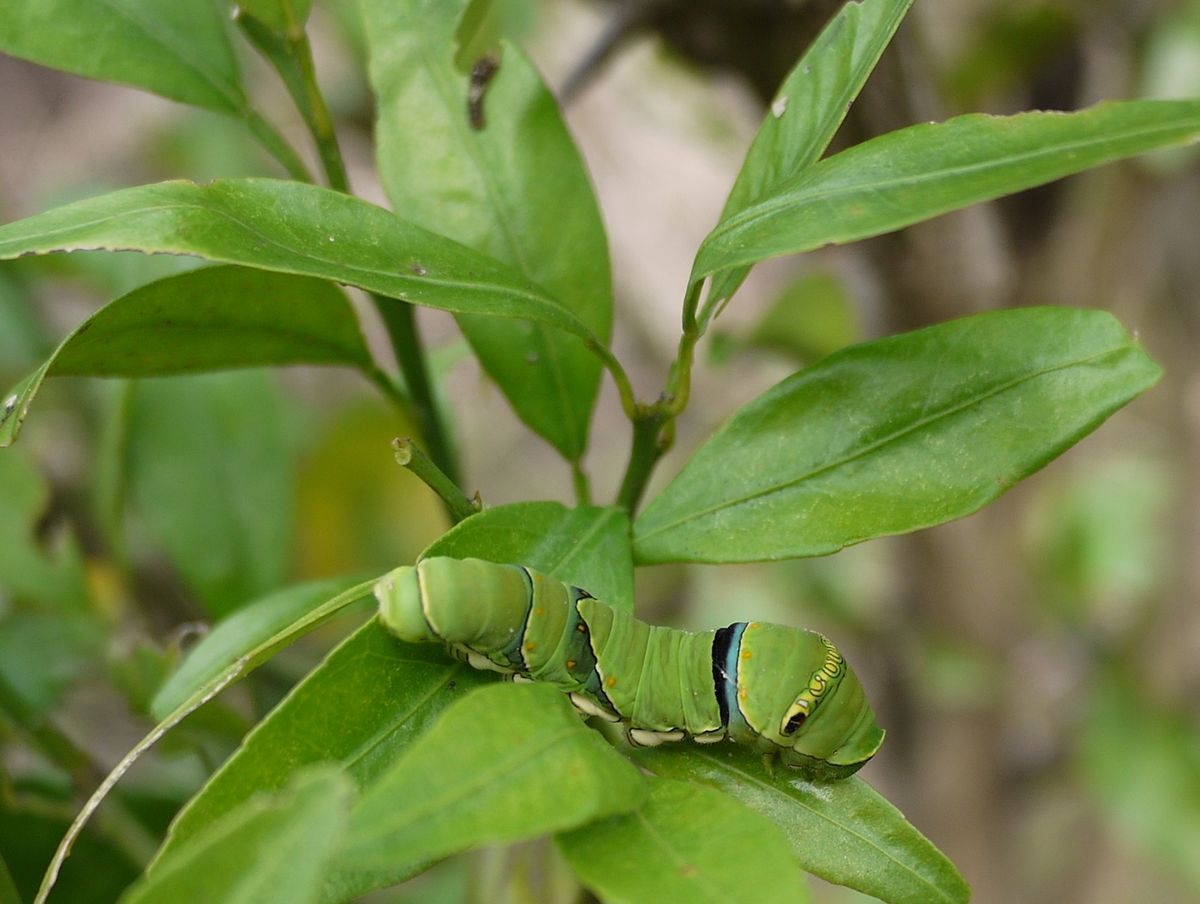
(361, 707)
(1140, 761)
(226, 525)
(290, 227)
(895, 435)
(284, 17)
(271, 849)
(28, 571)
(586, 546)
(501, 190)
(845, 832)
(808, 109)
(282, 614)
(922, 171)
(177, 48)
(8, 890)
(685, 843)
(247, 662)
(209, 319)
(507, 763)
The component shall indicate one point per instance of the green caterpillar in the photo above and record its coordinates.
(786, 692)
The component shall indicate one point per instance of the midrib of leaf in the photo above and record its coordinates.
(870, 842)
(361, 752)
(767, 208)
(503, 218)
(884, 441)
(183, 52)
(517, 762)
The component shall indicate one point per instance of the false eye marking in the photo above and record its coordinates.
(820, 683)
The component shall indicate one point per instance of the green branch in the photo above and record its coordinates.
(458, 506)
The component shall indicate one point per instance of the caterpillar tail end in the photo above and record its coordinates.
(400, 609)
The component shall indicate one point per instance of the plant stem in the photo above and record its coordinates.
(583, 490)
(458, 506)
(401, 326)
(320, 123)
(291, 55)
(646, 449)
(654, 425)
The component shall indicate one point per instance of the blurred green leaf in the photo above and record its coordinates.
(22, 339)
(271, 849)
(1098, 542)
(362, 707)
(29, 829)
(215, 318)
(586, 546)
(923, 171)
(843, 831)
(530, 767)
(501, 190)
(275, 619)
(42, 654)
(291, 227)
(813, 317)
(210, 471)
(179, 48)
(1013, 42)
(1141, 763)
(30, 572)
(8, 890)
(895, 435)
(685, 843)
(807, 111)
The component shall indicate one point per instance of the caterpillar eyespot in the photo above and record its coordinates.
(785, 692)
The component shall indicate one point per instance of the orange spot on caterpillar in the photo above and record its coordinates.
(570, 663)
(539, 611)
(746, 654)
(742, 693)
(610, 681)
(581, 628)
(530, 645)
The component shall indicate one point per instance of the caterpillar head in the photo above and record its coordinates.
(796, 692)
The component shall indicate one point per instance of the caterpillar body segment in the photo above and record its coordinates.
(786, 692)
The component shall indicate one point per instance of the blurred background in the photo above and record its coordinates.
(1037, 665)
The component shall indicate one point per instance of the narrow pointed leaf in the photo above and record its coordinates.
(291, 227)
(177, 48)
(362, 707)
(586, 546)
(917, 173)
(285, 611)
(808, 108)
(216, 318)
(530, 767)
(271, 849)
(895, 435)
(845, 832)
(685, 843)
(514, 189)
(243, 665)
